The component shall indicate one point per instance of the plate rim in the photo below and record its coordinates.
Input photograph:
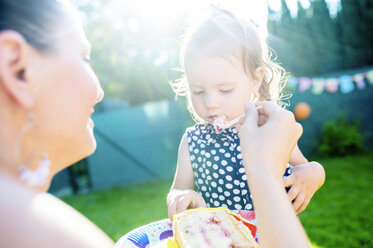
(164, 222)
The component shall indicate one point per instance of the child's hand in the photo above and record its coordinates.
(180, 200)
(305, 180)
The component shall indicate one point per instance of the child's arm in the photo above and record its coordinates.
(182, 195)
(306, 179)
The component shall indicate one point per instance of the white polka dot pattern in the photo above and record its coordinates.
(218, 169)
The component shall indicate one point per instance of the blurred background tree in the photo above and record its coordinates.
(132, 53)
(136, 43)
(316, 41)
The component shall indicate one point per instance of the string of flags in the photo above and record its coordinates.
(345, 83)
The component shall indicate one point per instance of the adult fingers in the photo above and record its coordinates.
(277, 115)
(289, 180)
(241, 120)
(251, 115)
(262, 119)
(268, 108)
(260, 108)
(282, 119)
(240, 123)
(293, 192)
(299, 201)
(304, 205)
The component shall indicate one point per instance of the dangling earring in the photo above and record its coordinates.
(38, 177)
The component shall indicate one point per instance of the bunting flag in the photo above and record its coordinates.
(345, 83)
(331, 84)
(369, 76)
(304, 83)
(359, 79)
(317, 86)
(292, 83)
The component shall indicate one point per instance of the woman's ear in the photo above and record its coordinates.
(14, 56)
(258, 78)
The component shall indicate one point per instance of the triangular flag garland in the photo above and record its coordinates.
(345, 83)
(317, 86)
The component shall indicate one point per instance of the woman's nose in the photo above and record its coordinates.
(100, 93)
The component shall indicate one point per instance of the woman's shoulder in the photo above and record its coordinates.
(13, 193)
(38, 219)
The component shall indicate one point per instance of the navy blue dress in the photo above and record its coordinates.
(219, 174)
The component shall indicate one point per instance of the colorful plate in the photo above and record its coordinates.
(155, 235)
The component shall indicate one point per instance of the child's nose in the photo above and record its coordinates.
(211, 102)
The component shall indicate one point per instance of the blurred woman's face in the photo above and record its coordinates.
(67, 90)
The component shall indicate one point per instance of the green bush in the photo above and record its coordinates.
(340, 138)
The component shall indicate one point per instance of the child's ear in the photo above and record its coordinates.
(258, 78)
(14, 54)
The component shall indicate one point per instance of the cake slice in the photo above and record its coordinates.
(211, 228)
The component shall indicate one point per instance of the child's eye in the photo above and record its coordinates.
(198, 92)
(226, 91)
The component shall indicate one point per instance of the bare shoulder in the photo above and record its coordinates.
(38, 219)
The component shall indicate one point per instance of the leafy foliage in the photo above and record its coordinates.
(340, 138)
(135, 47)
(314, 42)
(131, 54)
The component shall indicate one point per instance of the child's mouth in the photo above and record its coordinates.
(212, 118)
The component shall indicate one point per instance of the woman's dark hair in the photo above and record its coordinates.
(35, 20)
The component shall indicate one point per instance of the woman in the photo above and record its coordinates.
(47, 95)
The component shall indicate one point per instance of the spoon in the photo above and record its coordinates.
(220, 122)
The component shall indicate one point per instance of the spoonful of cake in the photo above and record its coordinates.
(221, 121)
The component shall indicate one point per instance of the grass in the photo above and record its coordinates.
(340, 214)
(119, 210)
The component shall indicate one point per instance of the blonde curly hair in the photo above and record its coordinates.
(223, 35)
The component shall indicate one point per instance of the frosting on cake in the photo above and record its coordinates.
(211, 228)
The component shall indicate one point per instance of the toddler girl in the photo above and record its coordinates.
(226, 63)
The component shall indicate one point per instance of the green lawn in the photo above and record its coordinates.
(340, 214)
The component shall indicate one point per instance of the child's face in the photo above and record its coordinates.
(219, 86)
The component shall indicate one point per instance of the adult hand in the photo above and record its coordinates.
(266, 148)
(268, 145)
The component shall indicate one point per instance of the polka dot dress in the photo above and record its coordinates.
(218, 169)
